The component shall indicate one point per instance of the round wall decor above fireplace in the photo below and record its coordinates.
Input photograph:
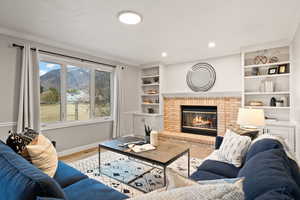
(201, 77)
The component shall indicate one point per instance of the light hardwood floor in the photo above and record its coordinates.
(197, 150)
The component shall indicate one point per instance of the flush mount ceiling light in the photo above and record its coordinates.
(164, 54)
(129, 17)
(211, 45)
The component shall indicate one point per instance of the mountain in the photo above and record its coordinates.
(51, 79)
(77, 78)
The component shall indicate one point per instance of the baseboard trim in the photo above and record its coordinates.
(77, 149)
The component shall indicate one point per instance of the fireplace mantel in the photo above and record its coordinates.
(204, 94)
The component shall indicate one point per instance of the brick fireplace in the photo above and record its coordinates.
(227, 111)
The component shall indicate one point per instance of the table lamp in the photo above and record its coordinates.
(251, 119)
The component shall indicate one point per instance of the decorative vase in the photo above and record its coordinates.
(147, 139)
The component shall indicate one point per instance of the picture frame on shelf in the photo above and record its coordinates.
(282, 69)
(272, 70)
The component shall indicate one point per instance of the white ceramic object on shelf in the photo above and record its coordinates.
(269, 86)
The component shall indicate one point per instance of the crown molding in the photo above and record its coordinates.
(36, 40)
(267, 45)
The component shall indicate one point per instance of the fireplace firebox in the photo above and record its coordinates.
(199, 120)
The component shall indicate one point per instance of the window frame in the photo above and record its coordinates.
(64, 62)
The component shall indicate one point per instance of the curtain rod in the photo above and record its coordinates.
(67, 56)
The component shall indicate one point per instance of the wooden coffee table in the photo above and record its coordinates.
(162, 156)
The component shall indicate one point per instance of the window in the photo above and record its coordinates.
(102, 94)
(74, 92)
(50, 87)
(78, 93)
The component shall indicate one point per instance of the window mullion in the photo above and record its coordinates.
(92, 94)
(113, 97)
(63, 92)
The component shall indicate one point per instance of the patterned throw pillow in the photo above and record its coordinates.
(18, 142)
(234, 148)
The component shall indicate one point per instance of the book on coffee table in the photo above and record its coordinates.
(142, 148)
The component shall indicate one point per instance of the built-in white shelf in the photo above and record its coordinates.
(151, 84)
(267, 76)
(268, 107)
(281, 82)
(268, 93)
(150, 104)
(280, 123)
(152, 76)
(267, 65)
(147, 114)
(149, 95)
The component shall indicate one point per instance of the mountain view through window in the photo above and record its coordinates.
(50, 92)
(70, 100)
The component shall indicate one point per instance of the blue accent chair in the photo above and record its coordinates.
(20, 180)
(269, 173)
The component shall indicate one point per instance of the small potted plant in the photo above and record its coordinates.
(147, 133)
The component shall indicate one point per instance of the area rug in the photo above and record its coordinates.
(121, 172)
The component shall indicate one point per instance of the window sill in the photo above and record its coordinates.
(59, 125)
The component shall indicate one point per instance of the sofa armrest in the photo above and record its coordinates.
(219, 140)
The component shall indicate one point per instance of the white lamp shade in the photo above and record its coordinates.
(251, 117)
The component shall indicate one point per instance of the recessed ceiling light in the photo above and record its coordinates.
(129, 17)
(164, 54)
(211, 45)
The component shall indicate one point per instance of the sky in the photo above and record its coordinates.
(46, 67)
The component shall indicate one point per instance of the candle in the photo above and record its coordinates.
(154, 138)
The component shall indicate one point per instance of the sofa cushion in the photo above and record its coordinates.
(276, 194)
(21, 180)
(66, 175)
(88, 189)
(220, 168)
(201, 175)
(269, 170)
(261, 146)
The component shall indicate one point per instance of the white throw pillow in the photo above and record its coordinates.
(234, 148)
(43, 155)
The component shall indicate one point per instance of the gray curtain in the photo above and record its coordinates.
(29, 101)
(118, 96)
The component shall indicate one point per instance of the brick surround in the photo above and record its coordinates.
(227, 111)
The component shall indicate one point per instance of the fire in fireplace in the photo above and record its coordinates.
(199, 120)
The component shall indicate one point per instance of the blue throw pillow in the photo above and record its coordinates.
(261, 146)
(21, 180)
(267, 171)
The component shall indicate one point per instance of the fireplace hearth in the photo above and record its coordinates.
(200, 120)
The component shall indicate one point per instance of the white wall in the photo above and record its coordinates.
(296, 74)
(66, 138)
(228, 71)
(130, 99)
(296, 86)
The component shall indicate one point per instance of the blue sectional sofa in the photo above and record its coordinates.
(20, 180)
(269, 173)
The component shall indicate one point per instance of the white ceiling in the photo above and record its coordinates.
(181, 28)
